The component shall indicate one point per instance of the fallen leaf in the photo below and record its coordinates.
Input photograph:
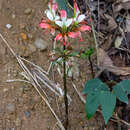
(128, 23)
(111, 22)
(118, 41)
(23, 35)
(105, 63)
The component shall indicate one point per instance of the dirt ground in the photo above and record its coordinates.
(21, 108)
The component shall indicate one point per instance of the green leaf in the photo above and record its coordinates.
(126, 84)
(108, 102)
(87, 53)
(122, 90)
(92, 104)
(64, 4)
(73, 54)
(84, 56)
(104, 98)
(94, 85)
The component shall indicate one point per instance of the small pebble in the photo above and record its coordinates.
(18, 122)
(10, 108)
(23, 35)
(27, 11)
(30, 36)
(40, 44)
(27, 114)
(9, 26)
(13, 16)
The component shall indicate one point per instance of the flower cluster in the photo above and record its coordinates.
(66, 27)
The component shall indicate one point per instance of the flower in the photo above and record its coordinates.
(64, 21)
(65, 27)
(77, 17)
(51, 12)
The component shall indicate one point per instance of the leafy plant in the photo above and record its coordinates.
(64, 22)
(98, 94)
(87, 53)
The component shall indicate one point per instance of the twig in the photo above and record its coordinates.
(79, 94)
(65, 90)
(33, 81)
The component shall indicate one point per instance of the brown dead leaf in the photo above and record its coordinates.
(111, 22)
(103, 58)
(128, 23)
(105, 63)
(122, 4)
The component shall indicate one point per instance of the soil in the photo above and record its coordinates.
(21, 107)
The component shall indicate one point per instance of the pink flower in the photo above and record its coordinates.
(76, 7)
(63, 14)
(59, 37)
(55, 6)
(84, 28)
(73, 34)
(45, 25)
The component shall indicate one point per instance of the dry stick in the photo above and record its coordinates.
(33, 83)
(65, 90)
(91, 65)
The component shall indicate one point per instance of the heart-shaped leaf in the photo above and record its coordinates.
(92, 103)
(108, 102)
(94, 85)
(122, 90)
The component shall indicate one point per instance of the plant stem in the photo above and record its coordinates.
(65, 90)
(91, 65)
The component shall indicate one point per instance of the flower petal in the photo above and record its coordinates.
(76, 7)
(49, 15)
(68, 22)
(59, 37)
(84, 28)
(63, 15)
(55, 6)
(59, 23)
(44, 25)
(57, 18)
(72, 34)
(81, 18)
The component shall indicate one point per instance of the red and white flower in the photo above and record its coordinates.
(64, 22)
(77, 17)
(67, 27)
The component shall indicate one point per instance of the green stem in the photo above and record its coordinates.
(65, 90)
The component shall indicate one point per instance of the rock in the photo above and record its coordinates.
(5, 90)
(9, 26)
(30, 36)
(18, 122)
(13, 16)
(27, 11)
(23, 36)
(22, 26)
(27, 114)
(10, 108)
(40, 44)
